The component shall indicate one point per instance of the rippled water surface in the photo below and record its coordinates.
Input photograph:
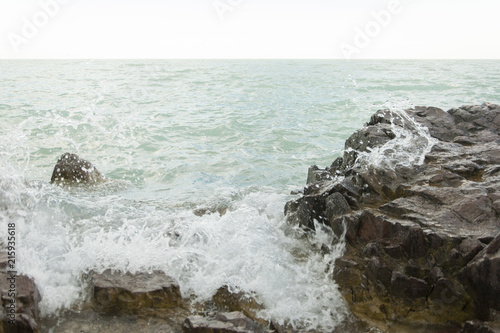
(176, 136)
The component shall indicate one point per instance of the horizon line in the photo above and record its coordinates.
(237, 58)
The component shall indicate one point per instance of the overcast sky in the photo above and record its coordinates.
(357, 29)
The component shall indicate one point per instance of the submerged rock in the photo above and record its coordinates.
(417, 196)
(71, 169)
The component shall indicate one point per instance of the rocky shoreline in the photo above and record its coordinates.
(422, 241)
(415, 198)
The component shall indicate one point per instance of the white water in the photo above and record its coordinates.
(174, 136)
(64, 234)
(411, 143)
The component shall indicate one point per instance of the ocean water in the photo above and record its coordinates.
(175, 136)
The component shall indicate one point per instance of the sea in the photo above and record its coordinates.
(200, 157)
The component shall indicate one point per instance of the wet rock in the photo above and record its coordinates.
(441, 124)
(20, 298)
(482, 275)
(71, 169)
(229, 301)
(117, 293)
(365, 139)
(446, 178)
(336, 205)
(476, 326)
(223, 322)
(408, 287)
(88, 321)
(221, 210)
(421, 241)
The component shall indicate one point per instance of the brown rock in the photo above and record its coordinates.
(408, 287)
(435, 222)
(228, 301)
(20, 298)
(483, 277)
(476, 326)
(71, 169)
(118, 293)
(223, 322)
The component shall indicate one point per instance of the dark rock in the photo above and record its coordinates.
(20, 298)
(441, 124)
(465, 169)
(408, 287)
(482, 275)
(88, 321)
(476, 326)
(415, 243)
(71, 169)
(228, 301)
(435, 221)
(223, 322)
(117, 293)
(463, 140)
(336, 204)
(446, 178)
(469, 248)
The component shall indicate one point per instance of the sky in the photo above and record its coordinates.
(232, 29)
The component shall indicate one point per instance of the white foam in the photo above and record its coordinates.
(63, 235)
(408, 149)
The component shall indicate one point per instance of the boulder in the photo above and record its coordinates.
(118, 293)
(71, 169)
(421, 236)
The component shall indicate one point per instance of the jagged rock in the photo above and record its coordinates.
(420, 240)
(483, 277)
(118, 293)
(71, 169)
(20, 298)
(228, 301)
(408, 287)
(223, 322)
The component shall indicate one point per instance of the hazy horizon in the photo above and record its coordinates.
(249, 29)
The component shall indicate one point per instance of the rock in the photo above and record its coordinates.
(20, 298)
(228, 301)
(446, 179)
(408, 287)
(336, 205)
(441, 124)
(421, 240)
(223, 322)
(88, 321)
(482, 275)
(117, 293)
(476, 326)
(71, 169)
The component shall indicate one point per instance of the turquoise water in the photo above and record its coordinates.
(173, 136)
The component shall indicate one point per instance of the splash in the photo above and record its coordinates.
(408, 148)
(65, 235)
